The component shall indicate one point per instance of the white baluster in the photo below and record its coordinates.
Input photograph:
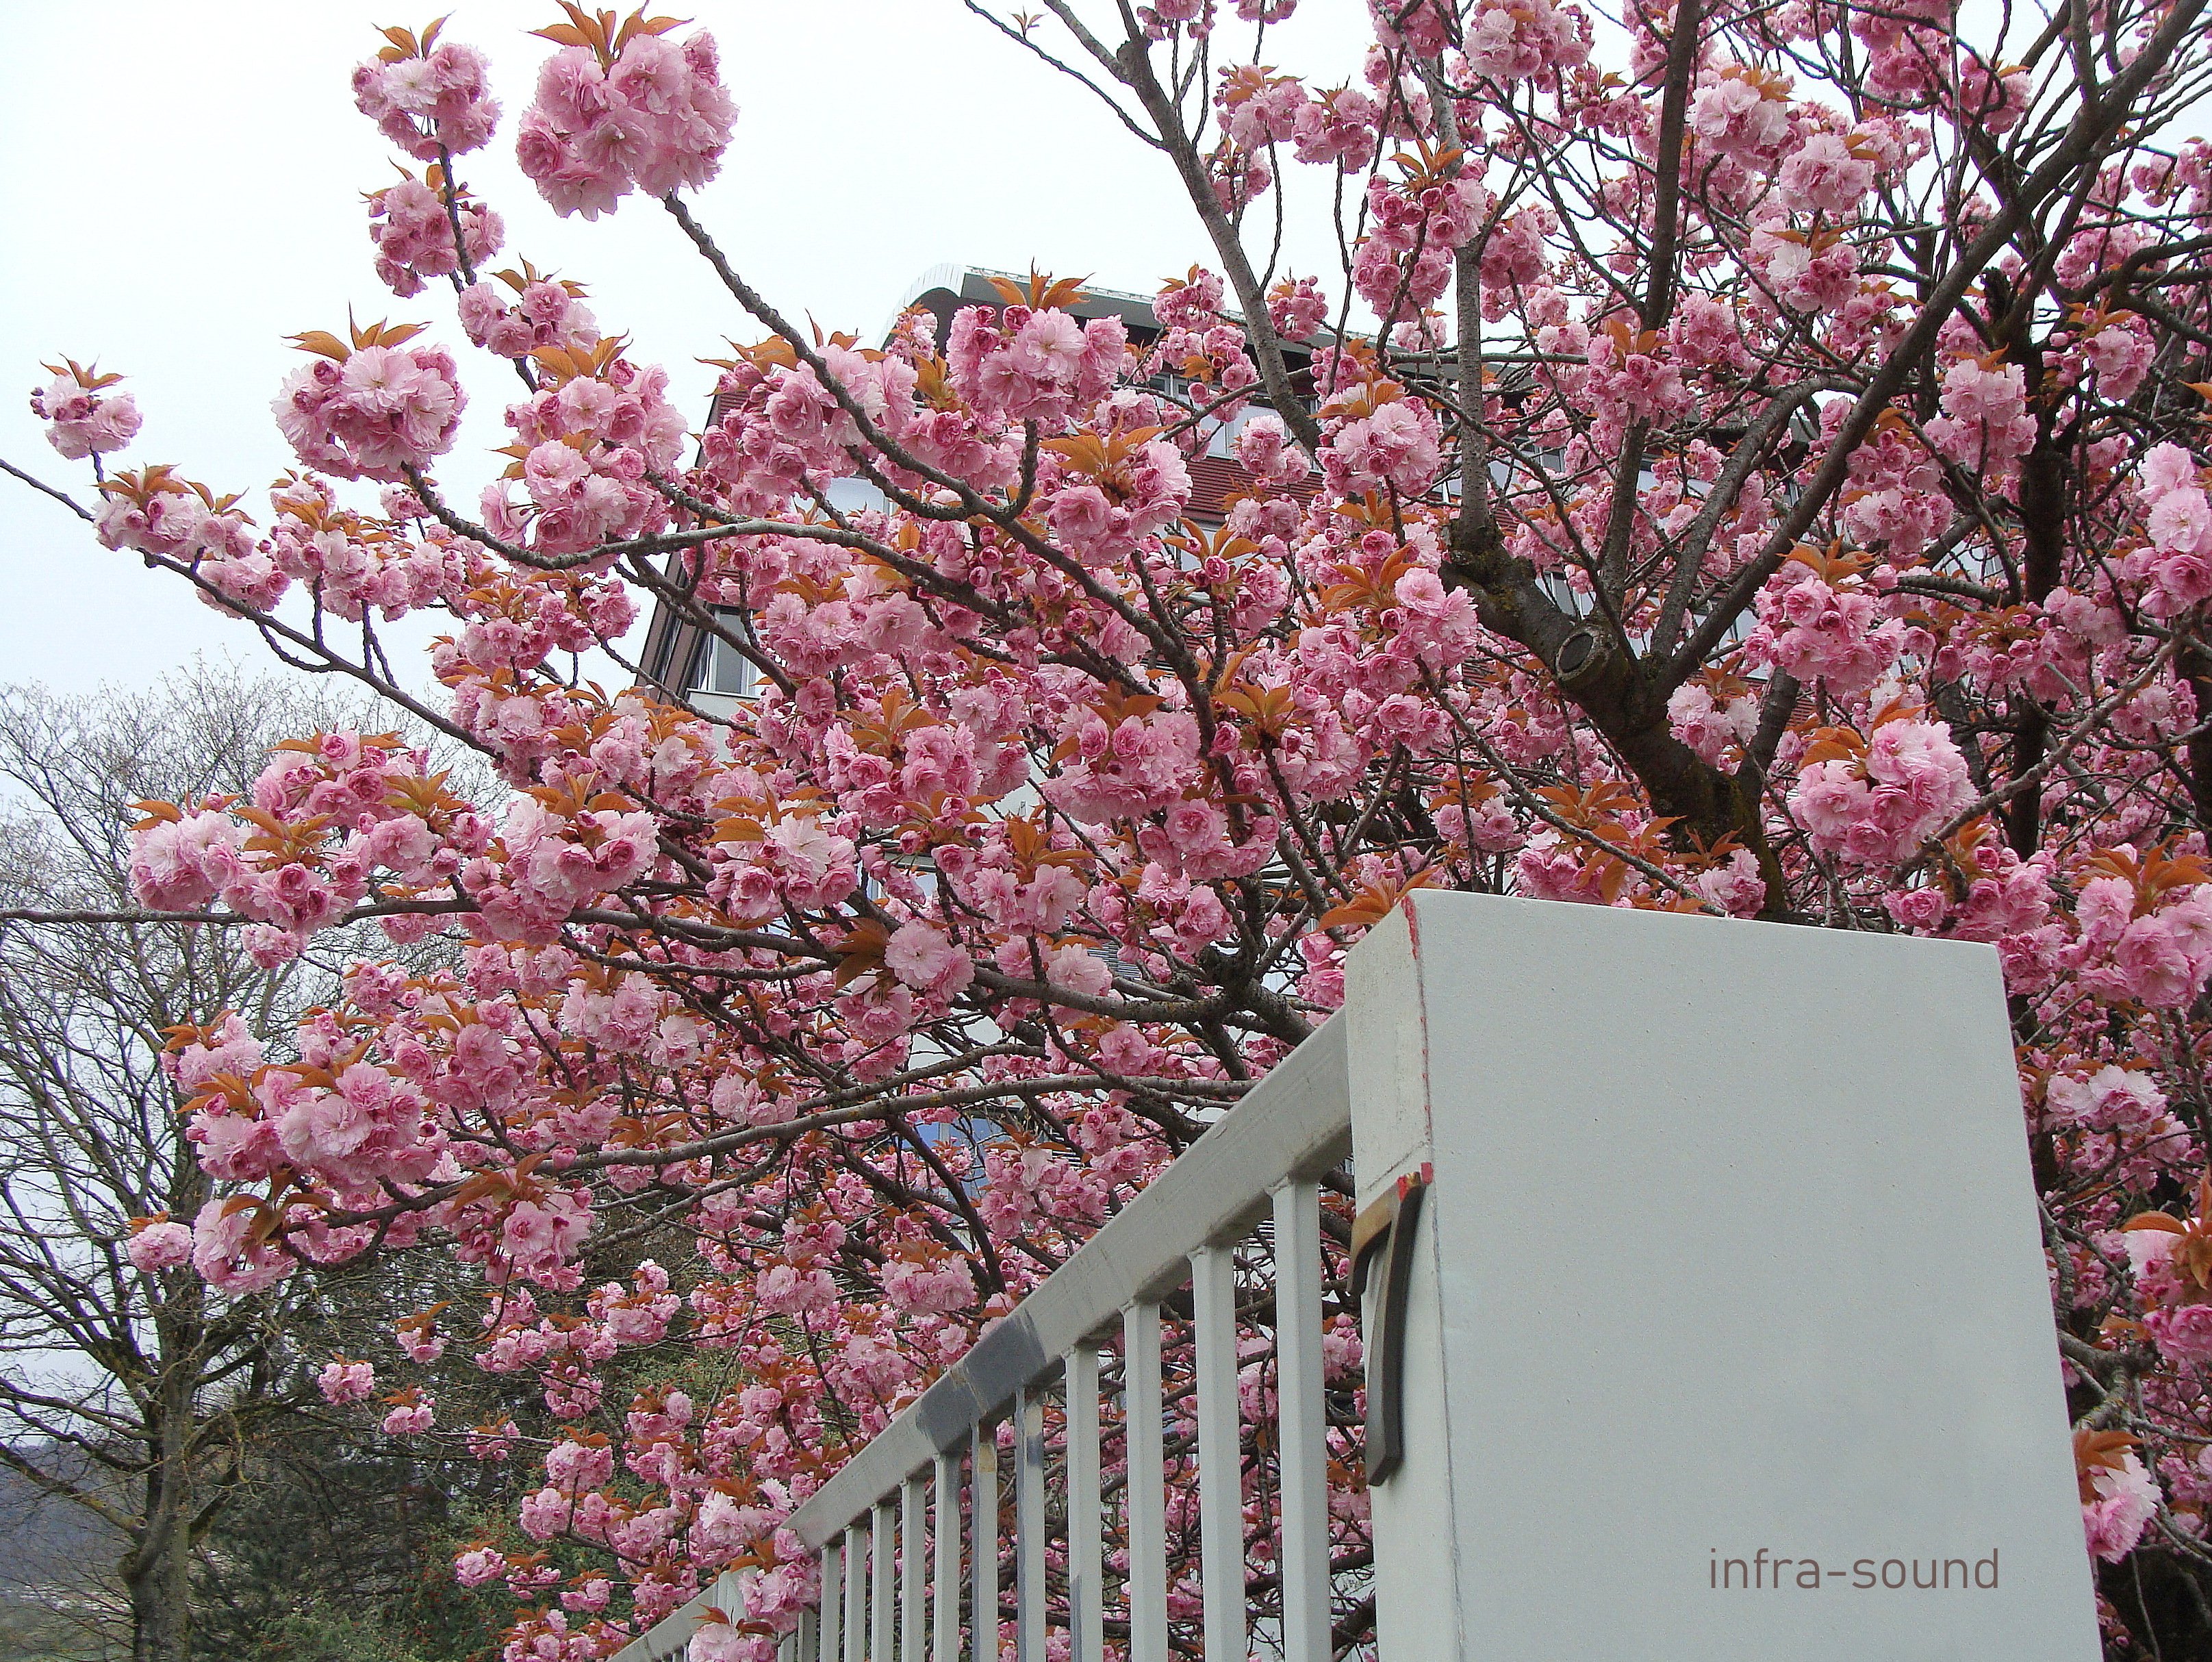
(1086, 1575)
(945, 1637)
(983, 1623)
(833, 1603)
(881, 1625)
(809, 1636)
(1220, 1470)
(914, 1563)
(1029, 1527)
(856, 1594)
(1144, 1502)
(1303, 1557)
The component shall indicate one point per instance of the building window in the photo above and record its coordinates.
(718, 668)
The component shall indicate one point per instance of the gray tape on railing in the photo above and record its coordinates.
(1004, 1359)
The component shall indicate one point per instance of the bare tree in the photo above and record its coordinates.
(133, 1397)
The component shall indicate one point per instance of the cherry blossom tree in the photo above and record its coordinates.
(1747, 460)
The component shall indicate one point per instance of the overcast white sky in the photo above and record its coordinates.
(184, 189)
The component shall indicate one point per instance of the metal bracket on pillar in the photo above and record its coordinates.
(1388, 1227)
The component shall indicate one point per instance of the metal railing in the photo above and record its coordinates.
(1762, 1181)
(910, 1534)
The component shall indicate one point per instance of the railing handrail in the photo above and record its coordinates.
(1294, 1124)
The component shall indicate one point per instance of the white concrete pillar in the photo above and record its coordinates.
(1730, 1257)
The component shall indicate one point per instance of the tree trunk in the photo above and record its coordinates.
(157, 1577)
(157, 1570)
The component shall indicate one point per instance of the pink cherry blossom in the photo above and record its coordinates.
(1909, 781)
(655, 117)
(342, 1382)
(84, 418)
(379, 410)
(161, 1244)
(2115, 1519)
(427, 97)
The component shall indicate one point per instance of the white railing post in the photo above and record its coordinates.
(945, 1632)
(856, 1594)
(1029, 1528)
(881, 1627)
(913, 1564)
(1220, 1451)
(1303, 1556)
(1086, 1610)
(831, 1602)
(1144, 1496)
(983, 1620)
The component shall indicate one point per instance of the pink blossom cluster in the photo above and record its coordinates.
(1296, 308)
(2176, 566)
(2117, 350)
(1038, 365)
(781, 427)
(591, 442)
(411, 1413)
(1832, 631)
(1994, 99)
(372, 413)
(1908, 56)
(1438, 624)
(1711, 722)
(1239, 177)
(1822, 175)
(1633, 377)
(155, 513)
(543, 313)
(341, 1381)
(83, 418)
(1337, 128)
(298, 885)
(556, 862)
(2156, 953)
(1102, 518)
(2120, 1509)
(1514, 257)
(157, 1244)
(354, 565)
(1405, 261)
(1805, 271)
(1425, 26)
(1214, 357)
(1397, 446)
(233, 1251)
(1985, 423)
(1896, 501)
(432, 99)
(1742, 114)
(1257, 109)
(1192, 301)
(415, 238)
(654, 117)
(1879, 807)
(2119, 1118)
(1510, 41)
